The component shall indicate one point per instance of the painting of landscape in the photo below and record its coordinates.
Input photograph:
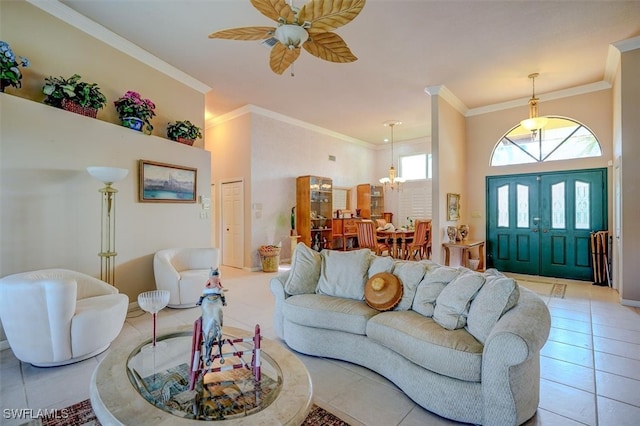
(167, 183)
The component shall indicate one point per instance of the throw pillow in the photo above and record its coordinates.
(344, 273)
(497, 296)
(434, 281)
(305, 271)
(380, 264)
(410, 275)
(452, 305)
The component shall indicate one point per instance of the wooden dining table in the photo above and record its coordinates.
(397, 240)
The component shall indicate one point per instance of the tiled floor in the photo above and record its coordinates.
(590, 366)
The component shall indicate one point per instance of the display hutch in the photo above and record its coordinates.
(370, 201)
(314, 211)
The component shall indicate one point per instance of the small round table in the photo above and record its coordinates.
(123, 388)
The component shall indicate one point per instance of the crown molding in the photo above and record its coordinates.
(81, 22)
(253, 109)
(565, 93)
(446, 94)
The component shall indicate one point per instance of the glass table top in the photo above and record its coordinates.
(160, 375)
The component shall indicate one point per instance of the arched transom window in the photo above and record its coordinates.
(561, 139)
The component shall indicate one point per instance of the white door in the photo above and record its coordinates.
(232, 224)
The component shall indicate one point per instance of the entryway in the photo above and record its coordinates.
(539, 224)
(232, 223)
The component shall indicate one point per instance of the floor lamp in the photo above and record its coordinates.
(108, 175)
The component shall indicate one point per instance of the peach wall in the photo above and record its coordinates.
(630, 173)
(484, 131)
(56, 48)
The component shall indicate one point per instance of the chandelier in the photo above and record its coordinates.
(392, 180)
(534, 123)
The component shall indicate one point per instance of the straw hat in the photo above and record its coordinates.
(383, 291)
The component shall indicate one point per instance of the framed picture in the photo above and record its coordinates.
(453, 206)
(166, 183)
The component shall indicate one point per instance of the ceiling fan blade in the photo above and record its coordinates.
(244, 33)
(327, 15)
(282, 57)
(330, 47)
(275, 9)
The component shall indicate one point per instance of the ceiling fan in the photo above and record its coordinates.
(309, 26)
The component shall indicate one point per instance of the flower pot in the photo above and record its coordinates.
(185, 141)
(69, 105)
(133, 123)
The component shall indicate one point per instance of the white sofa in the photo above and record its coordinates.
(184, 272)
(56, 316)
(461, 344)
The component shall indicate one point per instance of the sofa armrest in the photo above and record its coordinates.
(511, 360)
(277, 288)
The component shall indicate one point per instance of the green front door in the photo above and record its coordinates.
(539, 224)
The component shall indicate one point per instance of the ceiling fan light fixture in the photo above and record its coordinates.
(290, 35)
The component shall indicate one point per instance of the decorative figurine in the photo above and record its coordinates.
(212, 301)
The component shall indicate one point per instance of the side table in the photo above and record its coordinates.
(464, 247)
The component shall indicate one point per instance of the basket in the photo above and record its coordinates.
(270, 257)
(185, 140)
(68, 105)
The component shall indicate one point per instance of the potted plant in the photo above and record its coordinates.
(74, 95)
(134, 111)
(184, 132)
(10, 74)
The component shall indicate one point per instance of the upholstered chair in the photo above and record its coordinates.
(367, 238)
(56, 316)
(420, 247)
(184, 272)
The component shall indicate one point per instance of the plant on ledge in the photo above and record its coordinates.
(131, 108)
(184, 132)
(10, 74)
(74, 95)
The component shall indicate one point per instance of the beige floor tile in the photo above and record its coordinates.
(568, 402)
(616, 347)
(421, 417)
(615, 333)
(615, 413)
(557, 312)
(567, 373)
(619, 365)
(547, 418)
(618, 388)
(568, 353)
(571, 325)
(570, 337)
(572, 305)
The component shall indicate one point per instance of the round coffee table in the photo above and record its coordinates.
(133, 378)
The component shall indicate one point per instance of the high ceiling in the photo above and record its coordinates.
(481, 51)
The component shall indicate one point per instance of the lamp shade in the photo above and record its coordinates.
(535, 123)
(291, 36)
(107, 175)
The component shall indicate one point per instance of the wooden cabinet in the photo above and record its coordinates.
(370, 201)
(345, 233)
(314, 211)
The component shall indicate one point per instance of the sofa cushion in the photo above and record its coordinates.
(497, 296)
(344, 273)
(410, 275)
(434, 281)
(452, 305)
(332, 313)
(380, 264)
(305, 271)
(454, 353)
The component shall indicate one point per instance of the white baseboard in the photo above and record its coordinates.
(634, 303)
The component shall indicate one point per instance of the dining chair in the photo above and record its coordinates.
(420, 247)
(367, 238)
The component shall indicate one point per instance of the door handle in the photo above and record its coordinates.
(535, 229)
(545, 230)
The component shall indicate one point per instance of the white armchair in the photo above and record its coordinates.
(56, 316)
(184, 272)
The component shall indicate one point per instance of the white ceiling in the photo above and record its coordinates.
(481, 51)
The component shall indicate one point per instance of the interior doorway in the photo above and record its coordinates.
(540, 224)
(232, 221)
